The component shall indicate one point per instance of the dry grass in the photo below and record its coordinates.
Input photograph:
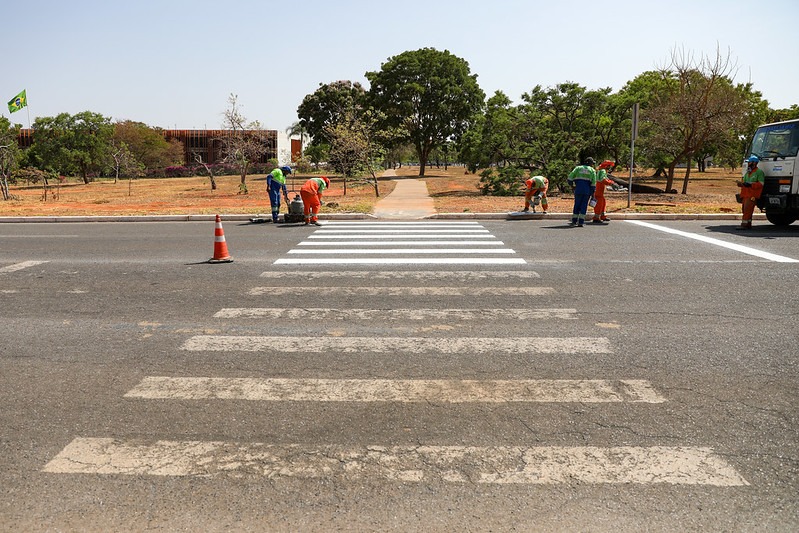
(709, 192)
(453, 192)
(170, 196)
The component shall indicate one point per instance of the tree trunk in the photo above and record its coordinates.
(670, 176)
(685, 180)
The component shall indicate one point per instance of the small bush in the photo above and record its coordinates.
(502, 181)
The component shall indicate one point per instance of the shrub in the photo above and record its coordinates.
(504, 181)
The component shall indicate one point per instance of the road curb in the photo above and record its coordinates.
(363, 216)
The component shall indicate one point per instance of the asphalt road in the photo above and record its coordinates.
(614, 378)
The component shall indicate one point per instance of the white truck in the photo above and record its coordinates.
(777, 145)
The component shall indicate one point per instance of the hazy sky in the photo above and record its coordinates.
(173, 63)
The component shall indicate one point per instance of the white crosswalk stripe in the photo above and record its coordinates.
(396, 390)
(394, 345)
(462, 276)
(427, 315)
(407, 291)
(544, 465)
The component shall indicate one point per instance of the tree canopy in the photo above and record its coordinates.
(69, 144)
(428, 96)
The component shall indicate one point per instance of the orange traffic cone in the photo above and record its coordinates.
(221, 254)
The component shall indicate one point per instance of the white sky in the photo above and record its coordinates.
(173, 63)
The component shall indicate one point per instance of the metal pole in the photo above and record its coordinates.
(630, 182)
(633, 136)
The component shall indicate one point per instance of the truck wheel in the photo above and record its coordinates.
(781, 219)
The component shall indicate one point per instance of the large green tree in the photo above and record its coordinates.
(430, 96)
(148, 145)
(69, 144)
(329, 105)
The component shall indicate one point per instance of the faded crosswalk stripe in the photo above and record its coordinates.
(388, 390)
(407, 291)
(20, 266)
(542, 465)
(466, 345)
(450, 315)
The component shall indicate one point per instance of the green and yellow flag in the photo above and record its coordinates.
(18, 102)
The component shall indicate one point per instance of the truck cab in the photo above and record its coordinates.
(777, 145)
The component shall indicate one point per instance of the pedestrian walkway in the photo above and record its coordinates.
(408, 200)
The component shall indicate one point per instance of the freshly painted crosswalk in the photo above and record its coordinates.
(419, 243)
(545, 465)
(462, 276)
(396, 390)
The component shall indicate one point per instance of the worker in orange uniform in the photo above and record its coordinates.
(602, 181)
(537, 187)
(311, 194)
(751, 188)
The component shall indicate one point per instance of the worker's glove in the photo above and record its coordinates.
(747, 184)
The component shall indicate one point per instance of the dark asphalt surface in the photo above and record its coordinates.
(714, 330)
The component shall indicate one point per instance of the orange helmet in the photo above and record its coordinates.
(607, 164)
(327, 181)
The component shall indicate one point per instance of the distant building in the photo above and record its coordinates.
(208, 144)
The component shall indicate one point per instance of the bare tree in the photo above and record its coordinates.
(701, 106)
(198, 158)
(244, 143)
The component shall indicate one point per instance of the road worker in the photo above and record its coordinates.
(537, 187)
(275, 185)
(583, 180)
(751, 188)
(602, 181)
(311, 194)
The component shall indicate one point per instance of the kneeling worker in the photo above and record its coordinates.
(311, 194)
(536, 186)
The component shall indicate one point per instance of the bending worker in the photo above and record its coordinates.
(275, 185)
(751, 188)
(602, 181)
(311, 194)
(536, 186)
(583, 180)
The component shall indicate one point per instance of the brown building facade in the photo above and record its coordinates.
(206, 143)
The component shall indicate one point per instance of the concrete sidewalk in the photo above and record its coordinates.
(408, 200)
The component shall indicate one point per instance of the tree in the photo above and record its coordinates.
(244, 143)
(428, 95)
(9, 153)
(356, 145)
(148, 145)
(69, 144)
(123, 161)
(327, 106)
(317, 153)
(701, 107)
